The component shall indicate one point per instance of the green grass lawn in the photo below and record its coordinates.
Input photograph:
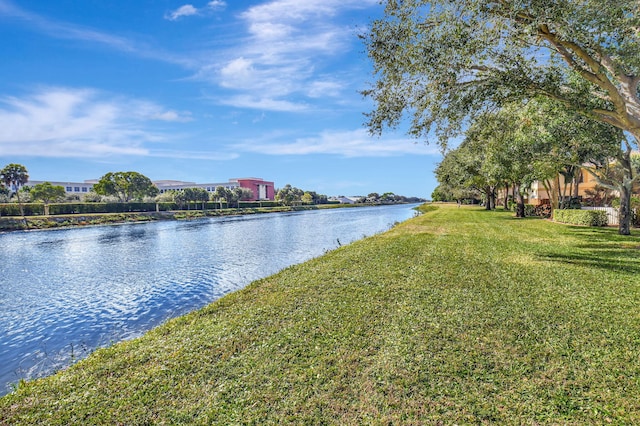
(459, 316)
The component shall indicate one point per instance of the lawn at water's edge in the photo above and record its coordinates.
(459, 315)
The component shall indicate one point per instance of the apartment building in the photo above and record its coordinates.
(538, 194)
(262, 190)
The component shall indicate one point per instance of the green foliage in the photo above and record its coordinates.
(85, 208)
(4, 193)
(126, 186)
(635, 202)
(47, 192)
(442, 193)
(288, 195)
(12, 209)
(14, 176)
(426, 208)
(443, 61)
(189, 215)
(581, 217)
(529, 210)
(250, 204)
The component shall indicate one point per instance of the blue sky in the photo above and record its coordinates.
(201, 91)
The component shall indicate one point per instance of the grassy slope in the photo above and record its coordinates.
(459, 315)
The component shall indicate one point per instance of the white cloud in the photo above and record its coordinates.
(216, 4)
(263, 103)
(190, 10)
(64, 122)
(237, 73)
(287, 43)
(355, 143)
(194, 155)
(318, 89)
(302, 10)
(186, 10)
(172, 116)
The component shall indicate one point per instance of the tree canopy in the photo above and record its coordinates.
(48, 193)
(289, 195)
(441, 62)
(126, 186)
(13, 176)
(524, 142)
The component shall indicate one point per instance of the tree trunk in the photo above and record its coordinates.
(492, 198)
(555, 193)
(24, 218)
(487, 202)
(563, 195)
(505, 201)
(576, 183)
(624, 213)
(624, 220)
(519, 202)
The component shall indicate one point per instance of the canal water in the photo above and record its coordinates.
(64, 293)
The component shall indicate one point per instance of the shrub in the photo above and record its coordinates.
(249, 204)
(581, 217)
(529, 210)
(543, 210)
(13, 209)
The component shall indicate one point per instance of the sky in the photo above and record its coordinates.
(200, 91)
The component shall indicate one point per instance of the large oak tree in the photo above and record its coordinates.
(48, 193)
(442, 62)
(126, 186)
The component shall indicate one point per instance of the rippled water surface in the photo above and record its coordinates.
(66, 292)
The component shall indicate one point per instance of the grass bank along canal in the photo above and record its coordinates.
(459, 316)
(65, 292)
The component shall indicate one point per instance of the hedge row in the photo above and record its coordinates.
(37, 209)
(581, 217)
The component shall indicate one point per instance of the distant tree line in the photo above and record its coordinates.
(388, 198)
(290, 195)
(113, 187)
(139, 192)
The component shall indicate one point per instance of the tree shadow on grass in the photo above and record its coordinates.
(601, 248)
(503, 215)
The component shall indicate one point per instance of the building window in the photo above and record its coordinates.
(69, 189)
(76, 189)
(85, 189)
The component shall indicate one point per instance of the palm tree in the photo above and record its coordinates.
(14, 176)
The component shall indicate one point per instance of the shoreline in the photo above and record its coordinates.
(35, 223)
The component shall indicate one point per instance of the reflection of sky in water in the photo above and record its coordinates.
(87, 287)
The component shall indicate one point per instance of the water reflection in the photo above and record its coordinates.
(66, 292)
